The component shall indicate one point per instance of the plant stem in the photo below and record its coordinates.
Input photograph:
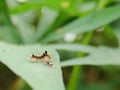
(72, 85)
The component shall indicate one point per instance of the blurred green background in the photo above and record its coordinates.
(86, 22)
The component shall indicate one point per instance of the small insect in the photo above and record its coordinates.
(45, 57)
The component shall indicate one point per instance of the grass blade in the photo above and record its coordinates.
(85, 24)
(99, 56)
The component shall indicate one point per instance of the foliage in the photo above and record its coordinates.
(34, 26)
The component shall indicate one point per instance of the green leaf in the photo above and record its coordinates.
(6, 34)
(7, 21)
(59, 5)
(72, 47)
(38, 75)
(47, 19)
(85, 24)
(25, 29)
(116, 29)
(97, 56)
